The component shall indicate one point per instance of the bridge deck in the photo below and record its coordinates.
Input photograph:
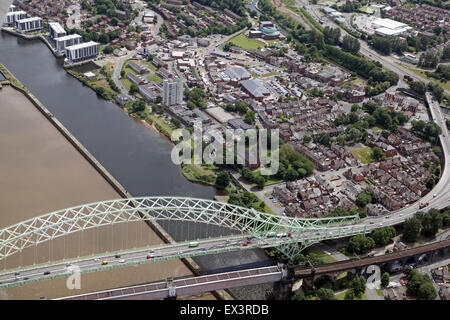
(187, 286)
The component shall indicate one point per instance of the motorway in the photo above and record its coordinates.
(173, 251)
(438, 198)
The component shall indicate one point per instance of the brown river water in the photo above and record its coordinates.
(40, 172)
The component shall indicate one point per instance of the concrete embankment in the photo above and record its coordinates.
(13, 82)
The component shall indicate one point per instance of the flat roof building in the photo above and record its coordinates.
(389, 27)
(63, 42)
(82, 51)
(255, 88)
(237, 73)
(56, 30)
(138, 68)
(12, 17)
(29, 24)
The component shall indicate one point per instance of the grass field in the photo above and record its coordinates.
(322, 255)
(341, 296)
(154, 78)
(161, 125)
(364, 154)
(195, 174)
(245, 43)
(270, 74)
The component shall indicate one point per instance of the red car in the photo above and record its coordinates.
(149, 256)
(245, 244)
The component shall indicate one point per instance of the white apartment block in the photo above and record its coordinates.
(67, 41)
(172, 92)
(12, 17)
(29, 24)
(82, 51)
(56, 30)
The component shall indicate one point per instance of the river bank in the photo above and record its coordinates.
(14, 83)
(137, 157)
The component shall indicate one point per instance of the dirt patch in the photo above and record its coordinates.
(281, 6)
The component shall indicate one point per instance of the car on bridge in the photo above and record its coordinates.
(104, 262)
(149, 256)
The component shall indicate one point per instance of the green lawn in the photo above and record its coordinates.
(379, 292)
(270, 74)
(154, 78)
(245, 43)
(364, 154)
(341, 296)
(195, 174)
(149, 65)
(161, 125)
(322, 255)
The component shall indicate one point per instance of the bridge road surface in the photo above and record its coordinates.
(161, 290)
(139, 256)
(187, 286)
(214, 246)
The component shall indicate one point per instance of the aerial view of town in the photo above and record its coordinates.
(224, 150)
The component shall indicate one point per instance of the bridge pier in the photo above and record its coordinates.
(282, 290)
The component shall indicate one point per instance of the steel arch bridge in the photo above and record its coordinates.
(32, 232)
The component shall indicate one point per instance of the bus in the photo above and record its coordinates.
(193, 244)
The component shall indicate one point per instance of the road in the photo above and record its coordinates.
(116, 74)
(172, 251)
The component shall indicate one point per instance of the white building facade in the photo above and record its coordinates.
(172, 92)
(56, 30)
(82, 51)
(29, 24)
(12, 17)
(67, 41)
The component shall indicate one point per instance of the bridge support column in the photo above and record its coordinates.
(282, 290)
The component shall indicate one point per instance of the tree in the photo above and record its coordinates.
(363, 199)
(350, 44)
(325, 294)
(108, 49)
(431, 222)
(360, 244)
(137, 106)
(134, 89)
(411, 229)
(377, 154)
(383, 236)
(249, 117)
(260, 181)
(299, 295)
(350, 295)
(222, 180)
(426, 291)
(385, 279)
(358, 285)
